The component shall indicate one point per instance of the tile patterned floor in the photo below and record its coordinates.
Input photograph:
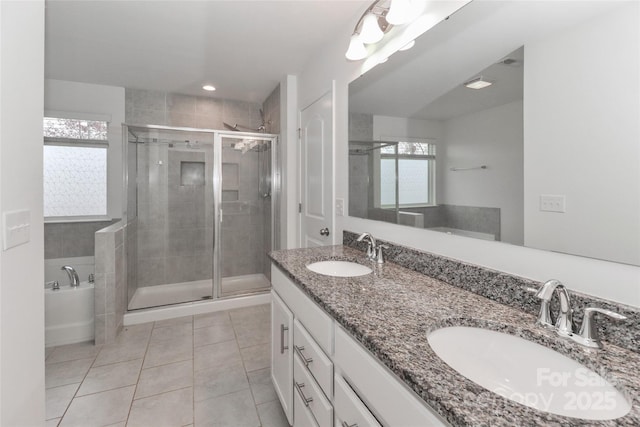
(198, 371)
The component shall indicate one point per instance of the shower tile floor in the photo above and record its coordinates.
(204, 370)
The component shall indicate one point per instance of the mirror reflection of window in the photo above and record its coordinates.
(415, 165)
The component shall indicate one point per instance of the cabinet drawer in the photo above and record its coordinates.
(313, 358)
(392, 402)
(310, 396)
(349, 409)
(316, 321)
(302, 416)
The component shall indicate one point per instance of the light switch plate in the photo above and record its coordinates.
(16, 228)
(552, 203)
(340, 207)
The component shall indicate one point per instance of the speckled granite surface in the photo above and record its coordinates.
(392, 310)
(511, 290)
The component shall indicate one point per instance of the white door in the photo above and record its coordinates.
(316, 173)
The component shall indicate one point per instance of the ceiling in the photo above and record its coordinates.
(243, 48)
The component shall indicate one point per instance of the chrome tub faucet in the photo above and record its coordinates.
(74, 280)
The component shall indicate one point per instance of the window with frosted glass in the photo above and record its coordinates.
(75, 167)
(91, 130)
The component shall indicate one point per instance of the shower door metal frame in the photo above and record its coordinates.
(218, 214)
(217, 187)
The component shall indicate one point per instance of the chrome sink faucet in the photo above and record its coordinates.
(588, 333)
(374, 250)
(371, 244)
(564, 322)
(74, 280)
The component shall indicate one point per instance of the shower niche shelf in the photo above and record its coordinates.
(230, 182)
(191, 173)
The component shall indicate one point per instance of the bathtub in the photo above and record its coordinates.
(68, 314)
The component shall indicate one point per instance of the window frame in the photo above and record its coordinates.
(85, 143)
(431, 177)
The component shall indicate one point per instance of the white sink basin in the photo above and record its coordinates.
(339, 268)
(528, 373)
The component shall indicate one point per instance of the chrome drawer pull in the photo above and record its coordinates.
(305, 360)
(282, 331)
(305, 399)
(346, 424)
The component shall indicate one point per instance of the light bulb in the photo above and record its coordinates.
(356, 50)
(399, 12)
(371, 32)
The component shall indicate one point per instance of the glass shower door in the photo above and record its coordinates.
(174, 222)
(245, 216)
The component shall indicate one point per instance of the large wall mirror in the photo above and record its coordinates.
(510, 121)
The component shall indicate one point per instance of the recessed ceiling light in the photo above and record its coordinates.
(209, 88)
(478, 83)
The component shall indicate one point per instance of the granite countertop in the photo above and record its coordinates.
(392, 311)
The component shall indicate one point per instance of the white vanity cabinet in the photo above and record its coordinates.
(389, 401)
(311, 367)
(349, 409)
(282, 353)
(333, 380)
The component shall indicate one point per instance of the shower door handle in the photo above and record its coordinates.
(324, 231)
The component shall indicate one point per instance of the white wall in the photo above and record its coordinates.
(84, 98)
(401, 127)
(21, 267)
(289, 159)
(613, 281)
(585, 133)
(491, 137)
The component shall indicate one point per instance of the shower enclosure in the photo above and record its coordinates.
(201, 213)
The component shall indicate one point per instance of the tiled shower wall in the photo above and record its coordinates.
(110, 296)
(175, 221)
(71, 239)
(144, 107)
(242, 240)
(360, 192)
(271, 108)
(175, 243)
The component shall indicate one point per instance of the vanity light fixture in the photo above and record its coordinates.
(477, 83)
(208, 88)
(370, 32)
(374, 24)
(399, 12)
(356, 50)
